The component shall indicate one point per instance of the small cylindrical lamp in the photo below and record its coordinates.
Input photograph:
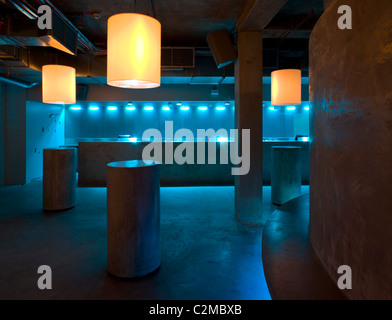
(286, 87)
(134, 51)
(58, 84)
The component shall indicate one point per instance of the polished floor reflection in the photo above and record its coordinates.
(206, 253)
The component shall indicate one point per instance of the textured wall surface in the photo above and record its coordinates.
(44, 129)
(351, 149)
(14, 135)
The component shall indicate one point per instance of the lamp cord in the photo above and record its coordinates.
(152, 9)
(133, 7)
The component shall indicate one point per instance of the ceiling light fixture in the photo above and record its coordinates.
(286, 87)
(134, 51)
(58, 84)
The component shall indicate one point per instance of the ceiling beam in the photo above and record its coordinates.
(258, 13)
(291, 34)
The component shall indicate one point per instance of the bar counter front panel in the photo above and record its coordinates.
(93, 157)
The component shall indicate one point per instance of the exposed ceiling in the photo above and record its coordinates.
(186, 23)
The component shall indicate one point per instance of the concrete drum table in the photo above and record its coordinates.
(285, 174)
(133, 218)
(59, 179)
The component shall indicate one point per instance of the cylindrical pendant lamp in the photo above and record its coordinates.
(134, 51)
(286, 87)
(58, 84)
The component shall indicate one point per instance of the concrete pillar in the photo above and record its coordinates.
(248, 115)
(133, 218)
(285, 174)
(351, 150)
(59, 179)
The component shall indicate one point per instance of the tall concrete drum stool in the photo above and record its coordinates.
(59, 179)
(133, 218)
(285, 174)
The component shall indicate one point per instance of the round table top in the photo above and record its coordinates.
(132, 164)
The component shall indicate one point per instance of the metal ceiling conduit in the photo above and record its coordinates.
(25, 8)
(30, 7)
(17, 82)
(84, 44)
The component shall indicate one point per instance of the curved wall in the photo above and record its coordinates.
(351, 148)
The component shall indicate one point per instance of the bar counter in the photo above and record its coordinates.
(93, 156)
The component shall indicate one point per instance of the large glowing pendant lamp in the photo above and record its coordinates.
(58, 84)
(286, 87)
(134, 51)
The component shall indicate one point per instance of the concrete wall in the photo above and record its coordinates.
(351, 150)
(44, 129)
(14, 135)
(21, 135)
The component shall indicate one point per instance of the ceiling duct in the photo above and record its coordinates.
(178, 57)
(25, 32)
(13, 57)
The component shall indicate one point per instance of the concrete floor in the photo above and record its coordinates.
(292, 268)
(206, 253)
